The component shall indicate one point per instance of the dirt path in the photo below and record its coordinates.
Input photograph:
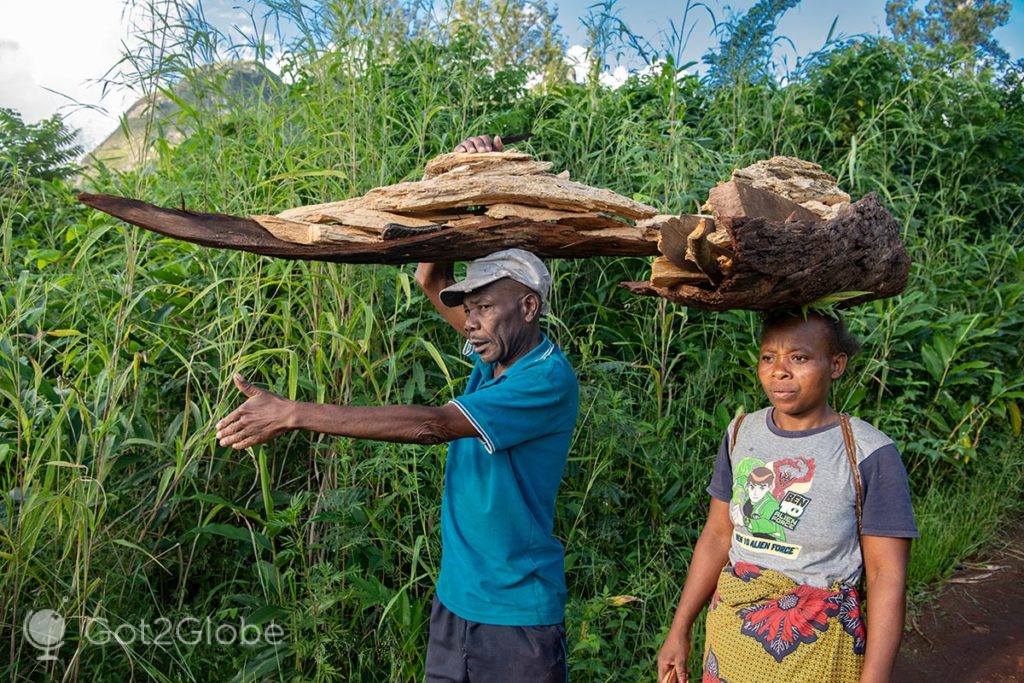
(974, 630)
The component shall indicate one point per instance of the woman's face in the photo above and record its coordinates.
(797, 365)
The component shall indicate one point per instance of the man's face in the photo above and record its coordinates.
(498, 319)
(797, 365)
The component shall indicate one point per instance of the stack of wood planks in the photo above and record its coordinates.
(466, 206)
(491, 191)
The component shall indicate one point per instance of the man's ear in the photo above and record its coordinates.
(530, 307)
(839, 362)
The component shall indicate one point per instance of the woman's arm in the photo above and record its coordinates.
(709, 557)
(885, 568)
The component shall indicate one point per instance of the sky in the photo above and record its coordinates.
(53, 53)
(806, 25)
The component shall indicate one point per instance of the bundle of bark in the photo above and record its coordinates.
(778, 233)
(466, 206)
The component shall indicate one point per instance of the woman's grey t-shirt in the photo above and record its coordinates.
(792, 499)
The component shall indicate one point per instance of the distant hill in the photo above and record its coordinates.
(215, 86)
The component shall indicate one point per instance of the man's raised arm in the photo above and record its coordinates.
(433, 277)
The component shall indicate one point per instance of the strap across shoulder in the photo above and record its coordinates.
(850, 446)
(736, 431)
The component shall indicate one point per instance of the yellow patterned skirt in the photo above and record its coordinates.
(762, 626)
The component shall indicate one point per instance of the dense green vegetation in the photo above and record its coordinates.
(118, 346)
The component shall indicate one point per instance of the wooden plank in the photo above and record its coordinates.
(508, 168)
(447, 244)
(543, 191)
(356, 216)
(346, 234)
(300, 213)
(674, 232)
(664, 273)
(593, 220)
(443, 163)
(532, 213)
(737, 199)
(299, 232)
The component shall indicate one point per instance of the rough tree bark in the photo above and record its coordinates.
(476, 237)
(777, 264)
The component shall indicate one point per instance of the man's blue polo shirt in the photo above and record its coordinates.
(500, 562)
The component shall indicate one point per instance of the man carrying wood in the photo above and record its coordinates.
(499, 608)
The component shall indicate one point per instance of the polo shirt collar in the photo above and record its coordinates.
(538, 353)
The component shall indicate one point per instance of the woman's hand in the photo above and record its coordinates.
(672, 658)
(710, 555)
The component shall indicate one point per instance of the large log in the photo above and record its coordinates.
(452, 243)
(778, 263)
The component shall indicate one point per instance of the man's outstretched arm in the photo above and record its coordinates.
(266, 415)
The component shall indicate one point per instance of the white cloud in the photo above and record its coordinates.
(576, 57)
(16, 78)
(62, 45)
(68, 45)
(614, 78)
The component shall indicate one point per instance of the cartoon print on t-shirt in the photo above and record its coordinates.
(792, 506)
(768, 501)
(790, 473)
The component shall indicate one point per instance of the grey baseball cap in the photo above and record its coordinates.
(515, 264)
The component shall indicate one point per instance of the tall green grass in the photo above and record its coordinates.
(118, 347)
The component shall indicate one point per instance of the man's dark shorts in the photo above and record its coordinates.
(461, 651)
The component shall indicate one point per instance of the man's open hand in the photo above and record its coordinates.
(480, 143)
(263, 416)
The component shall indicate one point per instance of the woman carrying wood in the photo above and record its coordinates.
(804, 501)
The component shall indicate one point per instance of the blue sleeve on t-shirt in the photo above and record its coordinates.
(887, 510)
(721, 479)
(523, 406)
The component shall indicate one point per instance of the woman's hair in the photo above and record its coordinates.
(840, 339)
